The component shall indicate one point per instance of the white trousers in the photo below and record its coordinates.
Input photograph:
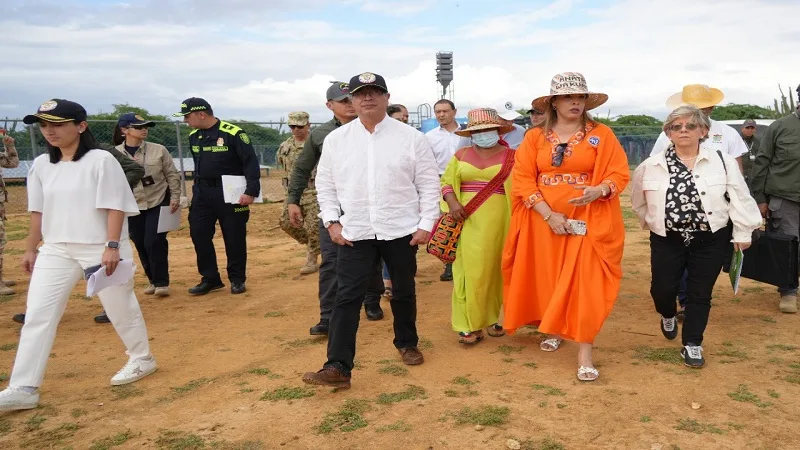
(58, 268)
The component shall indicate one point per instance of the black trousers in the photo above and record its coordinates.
(328, 284)
(152, 246)
(702, 259)
(356, 267)
(208, 207)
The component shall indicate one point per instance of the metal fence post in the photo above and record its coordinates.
(33, 141)
(180, 160)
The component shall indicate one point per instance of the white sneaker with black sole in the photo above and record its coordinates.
(16, 398)
(134, 370)
(669, 327)
(693, 356)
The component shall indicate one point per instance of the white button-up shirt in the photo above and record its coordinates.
(444, 144)
(651, 181)
(721, 137)
(382, 185)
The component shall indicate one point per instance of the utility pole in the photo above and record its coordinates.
(444, 72)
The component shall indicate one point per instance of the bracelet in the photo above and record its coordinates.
(548, 217)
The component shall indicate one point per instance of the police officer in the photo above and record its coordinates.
(339, 103)
(288, 152)
(219, 148)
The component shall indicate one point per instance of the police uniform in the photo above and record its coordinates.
(222, 149)
(309, 234)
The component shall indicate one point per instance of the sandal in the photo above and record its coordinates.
(470, 338)
(550, 344)
(495, 330)
(588, 373)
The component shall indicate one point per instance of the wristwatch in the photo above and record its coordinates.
(329, 223)
(112, 244)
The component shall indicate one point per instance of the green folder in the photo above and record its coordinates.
(735, 273)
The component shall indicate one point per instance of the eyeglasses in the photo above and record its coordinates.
(558, 156)
(296, 127)
(689, 126)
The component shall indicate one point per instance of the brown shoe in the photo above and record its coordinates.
(328, 376)
(411, 356)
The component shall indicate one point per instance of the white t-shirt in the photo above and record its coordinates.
(72, 197)
(720, 137)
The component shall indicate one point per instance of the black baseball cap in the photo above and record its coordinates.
(129, 119)
(749, 123)
(367, 79)
(338, 91)
(191, 105)
(57, 110)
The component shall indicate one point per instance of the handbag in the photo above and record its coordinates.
(445, 234)
(771, 259)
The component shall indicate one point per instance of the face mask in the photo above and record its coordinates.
(486, 139)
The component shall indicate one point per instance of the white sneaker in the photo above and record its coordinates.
(150, 290)
(162, 291)
(15, 398)
(134, 370)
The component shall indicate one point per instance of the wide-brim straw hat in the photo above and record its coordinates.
(569, 83)
(698, 95)
(483, 119)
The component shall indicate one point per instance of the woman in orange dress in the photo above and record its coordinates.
(558, 274)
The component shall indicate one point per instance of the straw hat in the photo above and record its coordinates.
(698, 95)
(482, 119)
(568, 83)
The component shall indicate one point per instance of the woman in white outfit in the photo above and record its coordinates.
(78, 199)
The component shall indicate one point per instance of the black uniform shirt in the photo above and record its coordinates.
(225, 149)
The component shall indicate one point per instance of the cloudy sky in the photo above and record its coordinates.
(260, 59)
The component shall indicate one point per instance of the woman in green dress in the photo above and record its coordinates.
(477, 277)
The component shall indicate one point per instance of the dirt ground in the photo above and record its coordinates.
(230, 367)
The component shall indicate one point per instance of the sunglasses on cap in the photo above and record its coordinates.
(558, 156)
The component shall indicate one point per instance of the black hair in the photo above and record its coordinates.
(117, 137)
(86, 142)
(393, 109)
(443, 101)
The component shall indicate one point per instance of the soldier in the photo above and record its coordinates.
(219, 148)
(288, 152)
(8, 159)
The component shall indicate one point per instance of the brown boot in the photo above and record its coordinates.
(311, 264)
(788, 304)
(411, 356)
(328, 376)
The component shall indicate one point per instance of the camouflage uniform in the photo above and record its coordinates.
(287, 155)
(7, 161)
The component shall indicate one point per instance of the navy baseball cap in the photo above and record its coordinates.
(129, 119)
(367, 79)
(191, 105)
(57, 110)
(749, 123)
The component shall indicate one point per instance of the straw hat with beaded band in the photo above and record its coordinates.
(570, 83)
(698, 95)
(483, 119)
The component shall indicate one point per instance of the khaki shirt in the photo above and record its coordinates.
(157, 163)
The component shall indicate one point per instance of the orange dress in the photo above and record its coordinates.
(566, 285)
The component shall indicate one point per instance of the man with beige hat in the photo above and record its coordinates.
(720, 136)
(287, 154)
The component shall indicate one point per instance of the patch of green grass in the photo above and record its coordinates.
(111, 441)
(645, 419)
(753, 290)
(549, 390)
(125, 391)
(190, 386)
(178, 440)
(773, 394)
(425, 344)
(243, 445)
(264, 372)
(5, 426)
(50, 438)
(297, 343)
(668, 355)
(795, 366)
(471, 393)
(288, 393)
(767, 319)
(508, 349)
(412, 393)
(735, 426)
(743, 394)
(793, 378)
(508, 360)
(463, 381)
(275, 314)
(394, 370)
(484, 415)
(3, 376)
(531, 365)
(783, 347)
(8, 347)
(246, 390)
(35, 422)
(348, 418)
(561, 405)
(547, 444)
(732, 353)
(450, 393)
(696, 427)
(400, 426)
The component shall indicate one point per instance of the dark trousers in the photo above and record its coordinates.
(356, 268)
(682, 288)
(702, 259)
(208, 207)
(328, 284)
(152, 246)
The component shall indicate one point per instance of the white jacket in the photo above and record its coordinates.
(649, 195)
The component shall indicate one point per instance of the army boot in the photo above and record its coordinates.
(311, 264)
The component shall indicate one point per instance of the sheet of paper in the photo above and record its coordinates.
(735, 273)
(168, 221)
(99, 280)
(233, 187)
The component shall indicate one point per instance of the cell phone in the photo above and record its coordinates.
(578, 227)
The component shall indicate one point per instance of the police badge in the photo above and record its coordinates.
(366, 77)
(48, 106)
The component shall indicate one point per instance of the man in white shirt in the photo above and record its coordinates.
(514, 137)
(378, 190)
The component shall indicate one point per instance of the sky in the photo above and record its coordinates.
(261, 59)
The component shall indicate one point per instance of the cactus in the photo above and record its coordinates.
(784, 107)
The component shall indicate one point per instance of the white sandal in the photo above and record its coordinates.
(588, 373)
(550, 345)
